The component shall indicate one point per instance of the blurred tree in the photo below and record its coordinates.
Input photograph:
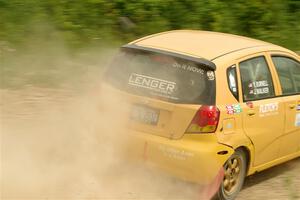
(81, 23)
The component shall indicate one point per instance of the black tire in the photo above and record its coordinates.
(234, 176)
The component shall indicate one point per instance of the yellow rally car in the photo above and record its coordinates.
(204, 101)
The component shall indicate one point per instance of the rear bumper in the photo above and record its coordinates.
(192, 158)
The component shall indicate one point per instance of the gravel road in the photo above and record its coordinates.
(29, 122)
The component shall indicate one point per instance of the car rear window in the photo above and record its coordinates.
(162, 77)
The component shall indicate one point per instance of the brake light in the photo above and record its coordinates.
(205, 120)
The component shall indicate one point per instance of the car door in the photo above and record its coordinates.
(263, 113)
(288, 72)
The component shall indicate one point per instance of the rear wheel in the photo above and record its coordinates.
(234, 176)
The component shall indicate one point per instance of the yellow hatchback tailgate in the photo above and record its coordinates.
(159, 117)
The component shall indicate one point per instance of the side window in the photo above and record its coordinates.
(256, 79)
(289, 74)
(232, 81)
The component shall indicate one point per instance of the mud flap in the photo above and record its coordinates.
(209, 190)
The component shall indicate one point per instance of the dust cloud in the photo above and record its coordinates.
(67, 141)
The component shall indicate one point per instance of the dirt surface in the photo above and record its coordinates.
(280, 182)
(50, 150)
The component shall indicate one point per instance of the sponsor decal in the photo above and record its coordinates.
(259, 87)
(188, 68)
(230, 110)
(210, 75)
(179, 154)
(233, 109)
(237, 108)
(151, 83)
(297, 119)
(268, 109)
(249, 104)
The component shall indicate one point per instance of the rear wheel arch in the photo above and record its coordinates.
(247, 152)
(247, 147)
(235, 171)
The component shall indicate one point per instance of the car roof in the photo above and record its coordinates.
(203, 44)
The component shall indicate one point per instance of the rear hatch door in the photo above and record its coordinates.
(164, 91)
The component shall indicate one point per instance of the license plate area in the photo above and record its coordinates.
(144, 114)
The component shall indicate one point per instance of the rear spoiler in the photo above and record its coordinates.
(202, 61)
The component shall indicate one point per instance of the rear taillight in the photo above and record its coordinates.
(205, 120)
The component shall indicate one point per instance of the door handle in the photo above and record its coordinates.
(251, 112)
(292, 106)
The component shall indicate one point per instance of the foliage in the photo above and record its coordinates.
(80, 23)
